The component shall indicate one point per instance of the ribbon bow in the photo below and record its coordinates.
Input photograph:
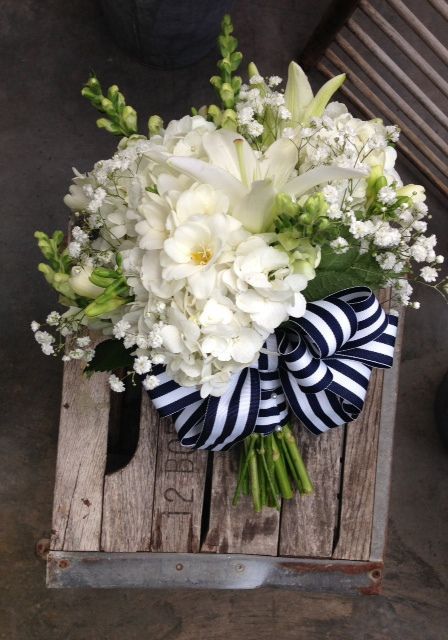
(319, 365)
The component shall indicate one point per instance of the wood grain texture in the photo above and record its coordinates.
(129, 493)
(308, 522)
(237, 529)
(178, 494)
(358, 483)
(81, 460)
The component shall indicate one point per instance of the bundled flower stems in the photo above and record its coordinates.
(229, 259)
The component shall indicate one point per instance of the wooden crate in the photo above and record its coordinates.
(166, 519)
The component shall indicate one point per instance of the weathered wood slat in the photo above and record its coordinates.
(129, 493)
(237, 529)
(308, 522)
(81, 460)
(358, 483)
(178, 494)
(385, 450)
(360, 465)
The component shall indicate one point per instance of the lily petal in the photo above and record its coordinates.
(319, 175)
(298, 93)
(255, 210)
(208, 174)
(317, 106)
(281, 159)
(221, 149)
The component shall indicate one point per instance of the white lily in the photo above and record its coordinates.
(300, 100)
(251, 182)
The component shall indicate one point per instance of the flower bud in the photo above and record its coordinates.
(81, 284)
(215, 114)
(227, 95)
(229, 120)
(104, 123)
(316, 205)
(95, 309)
(129, 117)
(414, 191)
(155, 125)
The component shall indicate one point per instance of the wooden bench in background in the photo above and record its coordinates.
(165, 519)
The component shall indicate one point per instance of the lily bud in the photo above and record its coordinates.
(298, 93)
(81, 284)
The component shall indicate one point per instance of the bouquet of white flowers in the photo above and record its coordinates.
(230, 257)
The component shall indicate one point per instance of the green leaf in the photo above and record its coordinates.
(337, 262)
(337, 272)
(327, 282)
(110, 355)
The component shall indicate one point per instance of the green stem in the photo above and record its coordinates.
(245, 486)
(299, 465)
(289, 463)
(243, 472)
(281, 474)
(272, 500)
(254, 479)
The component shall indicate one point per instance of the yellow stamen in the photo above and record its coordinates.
(202, 256)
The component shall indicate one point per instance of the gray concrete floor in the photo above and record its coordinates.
(48, 49)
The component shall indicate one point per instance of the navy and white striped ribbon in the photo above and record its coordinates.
(318, 365)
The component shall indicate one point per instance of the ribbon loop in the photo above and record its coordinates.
(318, 365)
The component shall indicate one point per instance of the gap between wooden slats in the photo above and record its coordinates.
(129, 493)
(81, 460)
(178, 494)
(308, 522)
(237, 529)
